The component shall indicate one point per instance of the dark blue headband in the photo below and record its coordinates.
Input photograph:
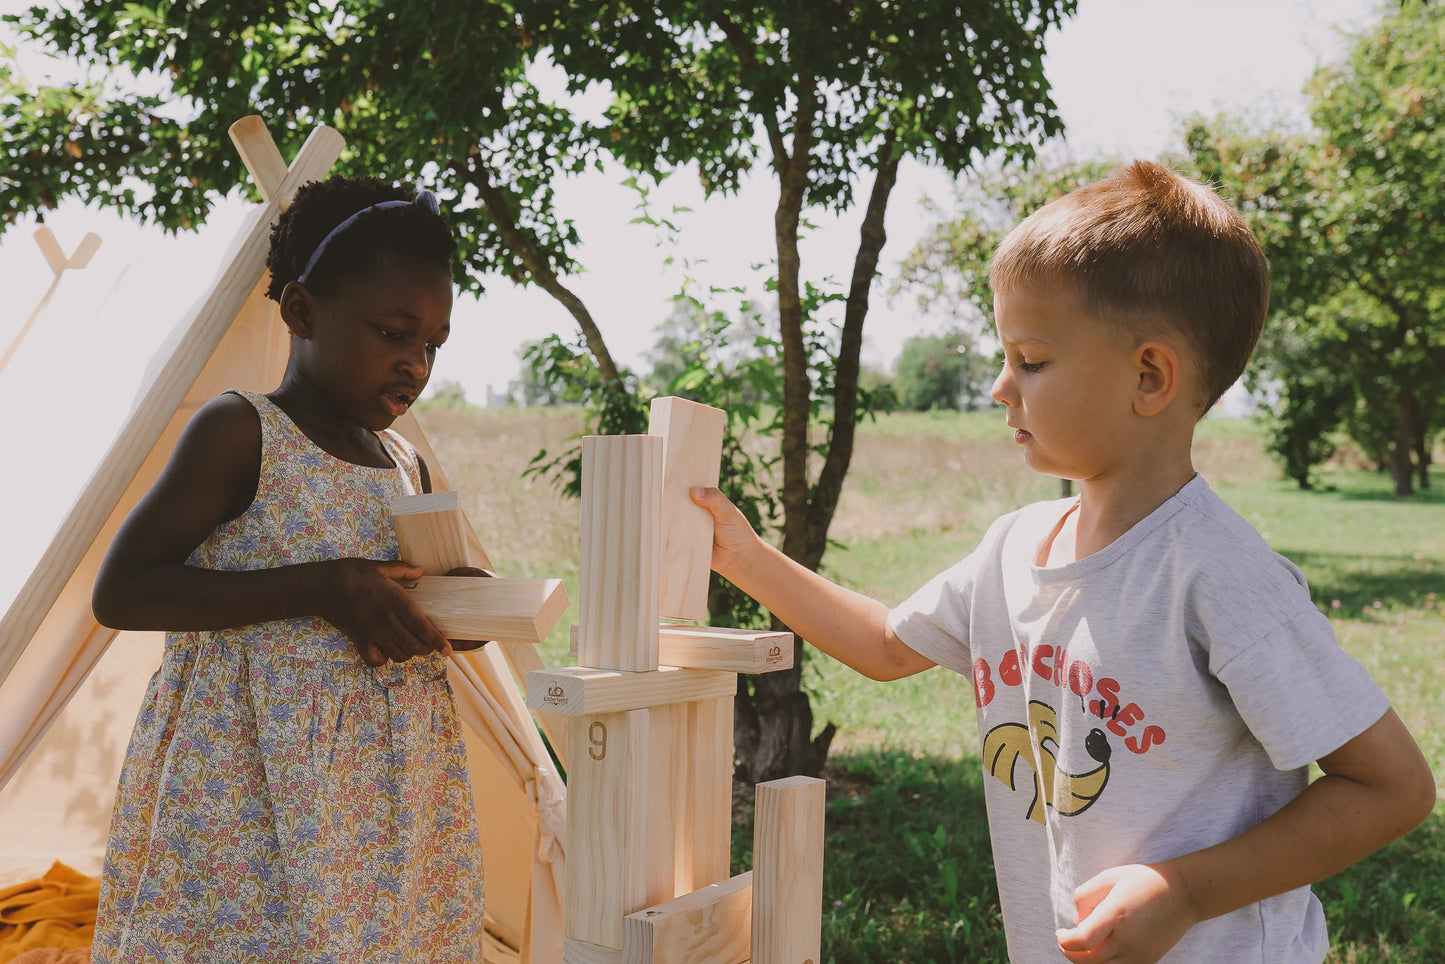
(425, 200)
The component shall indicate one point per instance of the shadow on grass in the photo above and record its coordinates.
(1390, 907)
(908, 874)
(1359, 580)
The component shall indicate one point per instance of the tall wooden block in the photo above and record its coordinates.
(693, 435)
(788, 871)
(607, 795)
(703, 771)
(431, 531)
(621, 505)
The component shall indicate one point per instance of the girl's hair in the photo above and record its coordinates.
(413, 230)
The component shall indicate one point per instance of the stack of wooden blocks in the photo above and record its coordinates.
(649, 745)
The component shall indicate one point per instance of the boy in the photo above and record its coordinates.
(1151, 681)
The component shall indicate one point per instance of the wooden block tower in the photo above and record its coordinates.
(649, 788)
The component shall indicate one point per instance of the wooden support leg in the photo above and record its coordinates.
(607, 796)
(704, 773)
(788, 871)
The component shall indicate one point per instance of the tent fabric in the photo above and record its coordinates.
(70, 688)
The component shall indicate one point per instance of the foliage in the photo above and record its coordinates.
(446, 393)
(947, 270)
(1347, 213)
(829, 97)
(942, 371)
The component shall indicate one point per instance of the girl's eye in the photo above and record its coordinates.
(391, 334)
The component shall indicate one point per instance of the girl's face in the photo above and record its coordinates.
(368, 347)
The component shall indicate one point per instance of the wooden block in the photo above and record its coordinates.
(607, 792)
(788, 871)
(719, 647)
(466, 607)
(618, 584)
(703, 796)
(693, 435)
(711, 925)
(431, 531)
(665, 813)
(581, 952)
(586, 690)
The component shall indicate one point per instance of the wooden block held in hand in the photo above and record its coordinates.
(788, 871)
(431, 531)
(515, 610)
(691, 456)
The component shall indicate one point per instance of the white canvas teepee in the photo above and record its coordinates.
(70, 688)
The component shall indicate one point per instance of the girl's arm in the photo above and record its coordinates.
(144, 582)
(1375, 788)
(846, 625)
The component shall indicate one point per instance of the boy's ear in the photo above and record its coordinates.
(297, 305)
(1160, 372)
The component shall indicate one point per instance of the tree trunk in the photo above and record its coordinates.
(1423, 456)
(1401, 465)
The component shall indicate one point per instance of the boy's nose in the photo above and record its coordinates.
(1002, 390)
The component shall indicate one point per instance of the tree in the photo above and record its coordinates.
(1348, 214)
(943, 371)
(831, 97)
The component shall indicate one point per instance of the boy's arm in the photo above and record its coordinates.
(1375, 788)
(846, 625)
(144, 582)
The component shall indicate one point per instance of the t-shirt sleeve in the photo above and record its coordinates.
(1301, 694)
(934, 620)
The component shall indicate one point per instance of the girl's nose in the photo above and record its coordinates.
(415, 362)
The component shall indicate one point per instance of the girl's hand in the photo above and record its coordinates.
(367, 601)
(1132, 914)
(732, 537)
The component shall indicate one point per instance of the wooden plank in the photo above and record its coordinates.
(703, 774)
(258, 152)
(466, 607)
(618, 582)
(788, 871)
(717, 647)
(585, 690)
(242, 268)
(692, 451)
(711, 925)
(607, 791)
(432, 532)
(665, 811)
(581, 952)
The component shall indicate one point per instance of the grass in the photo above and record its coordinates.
(909, 873)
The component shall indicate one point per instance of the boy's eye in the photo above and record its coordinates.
(1033, 368)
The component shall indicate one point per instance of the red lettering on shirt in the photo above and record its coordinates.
(1008, 669)
(1041, 660)
(1081, 678)
(982, 684)
(1152, 735)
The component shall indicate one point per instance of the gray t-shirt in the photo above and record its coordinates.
(1157, 697)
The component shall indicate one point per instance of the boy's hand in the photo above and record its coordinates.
(367, 601)
(1132, 914)
(731, 534)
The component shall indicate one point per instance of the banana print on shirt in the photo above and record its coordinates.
(1036, 744)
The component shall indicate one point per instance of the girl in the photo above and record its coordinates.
(296, 787)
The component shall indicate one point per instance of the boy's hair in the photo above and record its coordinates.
(409, 230)
(1149, 249)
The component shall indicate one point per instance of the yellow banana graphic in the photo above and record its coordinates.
(1067, 793)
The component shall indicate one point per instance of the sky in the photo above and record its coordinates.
(1122, 72)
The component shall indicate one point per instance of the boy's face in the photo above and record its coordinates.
(1068, 383)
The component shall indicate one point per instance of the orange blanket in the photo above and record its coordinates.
(57, 911)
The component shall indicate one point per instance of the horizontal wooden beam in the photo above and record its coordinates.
(513, 610)
(585, 690)
(719, 647)
(712, 925)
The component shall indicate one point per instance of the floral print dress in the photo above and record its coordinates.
(280, 799)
